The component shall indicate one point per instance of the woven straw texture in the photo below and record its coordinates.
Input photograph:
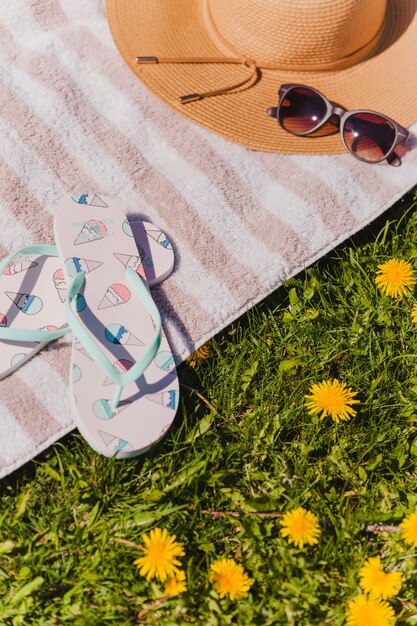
(76, 120)
(295, 34)
(290, 33)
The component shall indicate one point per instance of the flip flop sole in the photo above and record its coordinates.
(33, 291)
(120, 324)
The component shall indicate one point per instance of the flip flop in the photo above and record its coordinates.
(123, 382)
(33, 292)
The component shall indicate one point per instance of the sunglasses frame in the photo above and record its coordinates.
(343, 114)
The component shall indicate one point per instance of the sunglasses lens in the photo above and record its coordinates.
(369, 136)
(301, 110)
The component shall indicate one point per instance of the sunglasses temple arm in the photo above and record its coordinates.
(393, 159)
(272, 111)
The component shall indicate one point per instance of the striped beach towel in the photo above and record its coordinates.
(74, 119)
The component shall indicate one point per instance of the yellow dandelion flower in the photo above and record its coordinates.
(159, 558)
(364, 611)
(409, 529)
(414, 314)
(376, 582)
(176, 585)
(300, 526)
(330, 397)
(229, 578)
(200, 355)
(395, 277)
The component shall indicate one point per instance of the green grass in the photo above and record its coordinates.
(242, 442)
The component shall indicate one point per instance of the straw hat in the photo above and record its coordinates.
(359, 53)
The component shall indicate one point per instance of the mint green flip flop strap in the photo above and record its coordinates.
(120, 378)
(16, 334)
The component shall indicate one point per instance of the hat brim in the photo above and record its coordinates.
(385, 82)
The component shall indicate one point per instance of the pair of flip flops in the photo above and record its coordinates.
(95, 283)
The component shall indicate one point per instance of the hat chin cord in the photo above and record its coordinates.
(254, 67)
(192, 97)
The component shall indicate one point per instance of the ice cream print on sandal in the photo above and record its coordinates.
(33, 292)
(90, 199)
(92, 230)
(31, 313)
(123, 381)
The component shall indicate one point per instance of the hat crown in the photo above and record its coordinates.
(297, 34)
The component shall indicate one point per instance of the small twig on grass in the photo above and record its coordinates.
(201, 397)
(154, 605)
(378, 528)
(126, 542)
(238, 551)
(217, 514)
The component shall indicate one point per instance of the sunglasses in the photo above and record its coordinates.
(367, 135)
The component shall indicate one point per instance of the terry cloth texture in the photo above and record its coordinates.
(74, 119)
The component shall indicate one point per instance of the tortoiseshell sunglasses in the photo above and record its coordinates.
(367, 135)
